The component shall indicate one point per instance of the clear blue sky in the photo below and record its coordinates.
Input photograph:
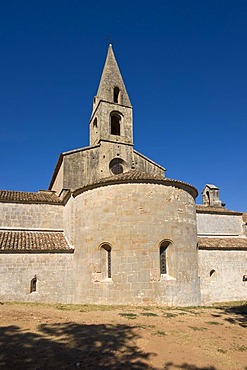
(184, 63)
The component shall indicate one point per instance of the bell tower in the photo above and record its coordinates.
(111, 150)
(111, 118)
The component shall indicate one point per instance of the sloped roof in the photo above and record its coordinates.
(211, 186)
(133, 175)
(29, 197)
(220, 210)
(222, 243)
(31, 241)
(139, 177)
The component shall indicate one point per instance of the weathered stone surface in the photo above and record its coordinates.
(218, 224)
(53, 273)
(221, 275)
(31, 216)
(117, 231)
(134, 219)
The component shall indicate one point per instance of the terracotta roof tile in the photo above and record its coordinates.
(209, 209)
(33, 241)
(139, 176)
(29, 197)
(222, 243)
(133, 175)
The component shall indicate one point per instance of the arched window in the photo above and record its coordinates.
(116, 92)
(163, 269)
(115, 124)
(106, 261)
(33, 285)
(163, 257)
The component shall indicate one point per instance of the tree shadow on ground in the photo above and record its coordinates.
(63, 346)
(71, 346)
(235, 314)
(185, 366)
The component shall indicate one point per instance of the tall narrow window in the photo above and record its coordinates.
(163, 269)
(106, 261)
(116, 92)
(33, 285)
(109, 263)
(164, 257)
(115, 124)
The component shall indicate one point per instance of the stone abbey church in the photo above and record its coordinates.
(112, 229)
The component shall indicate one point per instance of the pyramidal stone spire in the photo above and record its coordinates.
(111, 119)
(111, 86)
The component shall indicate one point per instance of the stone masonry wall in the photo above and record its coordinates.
(102, 132)
(226, 281)
(86, 166)
(53, 271)
(80, 168)
(216, 224)
(31, 216)
(145, 165)
(69, 221)
(134, 219)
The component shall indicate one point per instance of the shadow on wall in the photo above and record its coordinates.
(71, 346)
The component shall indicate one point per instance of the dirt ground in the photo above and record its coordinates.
(38, 337)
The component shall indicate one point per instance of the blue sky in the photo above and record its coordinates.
(184, 66)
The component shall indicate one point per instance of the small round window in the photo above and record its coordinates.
(117, 166)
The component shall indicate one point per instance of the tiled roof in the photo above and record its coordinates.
(28, 197)
(209, 209)
(222, 243)
(134, 175)
(33, 241)
(139, 176)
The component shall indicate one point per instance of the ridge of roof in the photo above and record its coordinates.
(200, 208)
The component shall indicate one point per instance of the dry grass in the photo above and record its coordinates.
(41, 336)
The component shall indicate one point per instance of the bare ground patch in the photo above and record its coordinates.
(39, 336)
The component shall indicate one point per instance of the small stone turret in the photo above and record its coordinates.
(210, 196)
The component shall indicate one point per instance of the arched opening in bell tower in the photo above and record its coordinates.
(115, 124)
